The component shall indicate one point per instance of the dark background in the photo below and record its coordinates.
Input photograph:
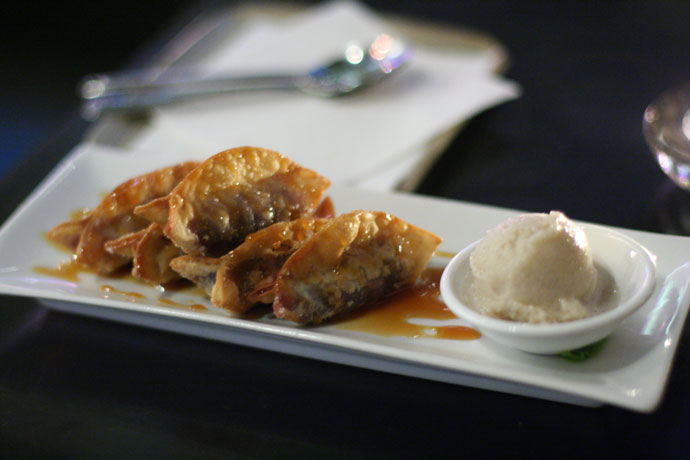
(73, 387)
(49, 46)
(587, 74)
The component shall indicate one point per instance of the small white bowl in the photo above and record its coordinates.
(631, 266)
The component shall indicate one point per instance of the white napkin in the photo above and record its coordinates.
(371, 139)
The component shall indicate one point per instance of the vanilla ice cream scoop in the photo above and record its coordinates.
(534, 268)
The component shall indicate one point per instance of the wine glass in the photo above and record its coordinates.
(666, 128)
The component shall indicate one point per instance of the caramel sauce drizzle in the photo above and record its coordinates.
(108, 289)
(68, 271)
(170, 303)
(391, 316)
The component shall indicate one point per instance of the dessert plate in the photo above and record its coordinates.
(630, 370)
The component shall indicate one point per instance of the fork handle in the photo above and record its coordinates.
(134, 91)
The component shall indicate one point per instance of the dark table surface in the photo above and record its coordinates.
(74, 387)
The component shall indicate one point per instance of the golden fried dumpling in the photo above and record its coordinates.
(246, 275)
(67, 234)
(233, 194)
(325, 209)
(150, 251)
(354, 260)
(114, 217)
(200, 270)
(126, 245)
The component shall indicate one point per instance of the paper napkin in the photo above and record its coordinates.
(373, 139)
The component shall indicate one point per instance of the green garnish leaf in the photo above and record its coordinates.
(583, 353)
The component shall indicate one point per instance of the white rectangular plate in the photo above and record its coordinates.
(630, 371)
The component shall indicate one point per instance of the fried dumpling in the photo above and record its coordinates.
(200, 270)
(354, 260)
(233, 194)
(246, 275)
(150, 252)
(67, 234)
(114, 217)
(325, 209)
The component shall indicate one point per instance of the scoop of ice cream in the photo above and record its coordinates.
(533, 268)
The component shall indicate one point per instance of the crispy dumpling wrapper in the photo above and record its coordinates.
(151, 252)
(67, 234)
(200, 270)
(126, 245)
(247, 274)
(233, 194)
(325, 209)
(354, 260)
(114, 217)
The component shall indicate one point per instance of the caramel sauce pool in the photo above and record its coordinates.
(391, 316)
(68, 271)
(170, 303)
(110, 289)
